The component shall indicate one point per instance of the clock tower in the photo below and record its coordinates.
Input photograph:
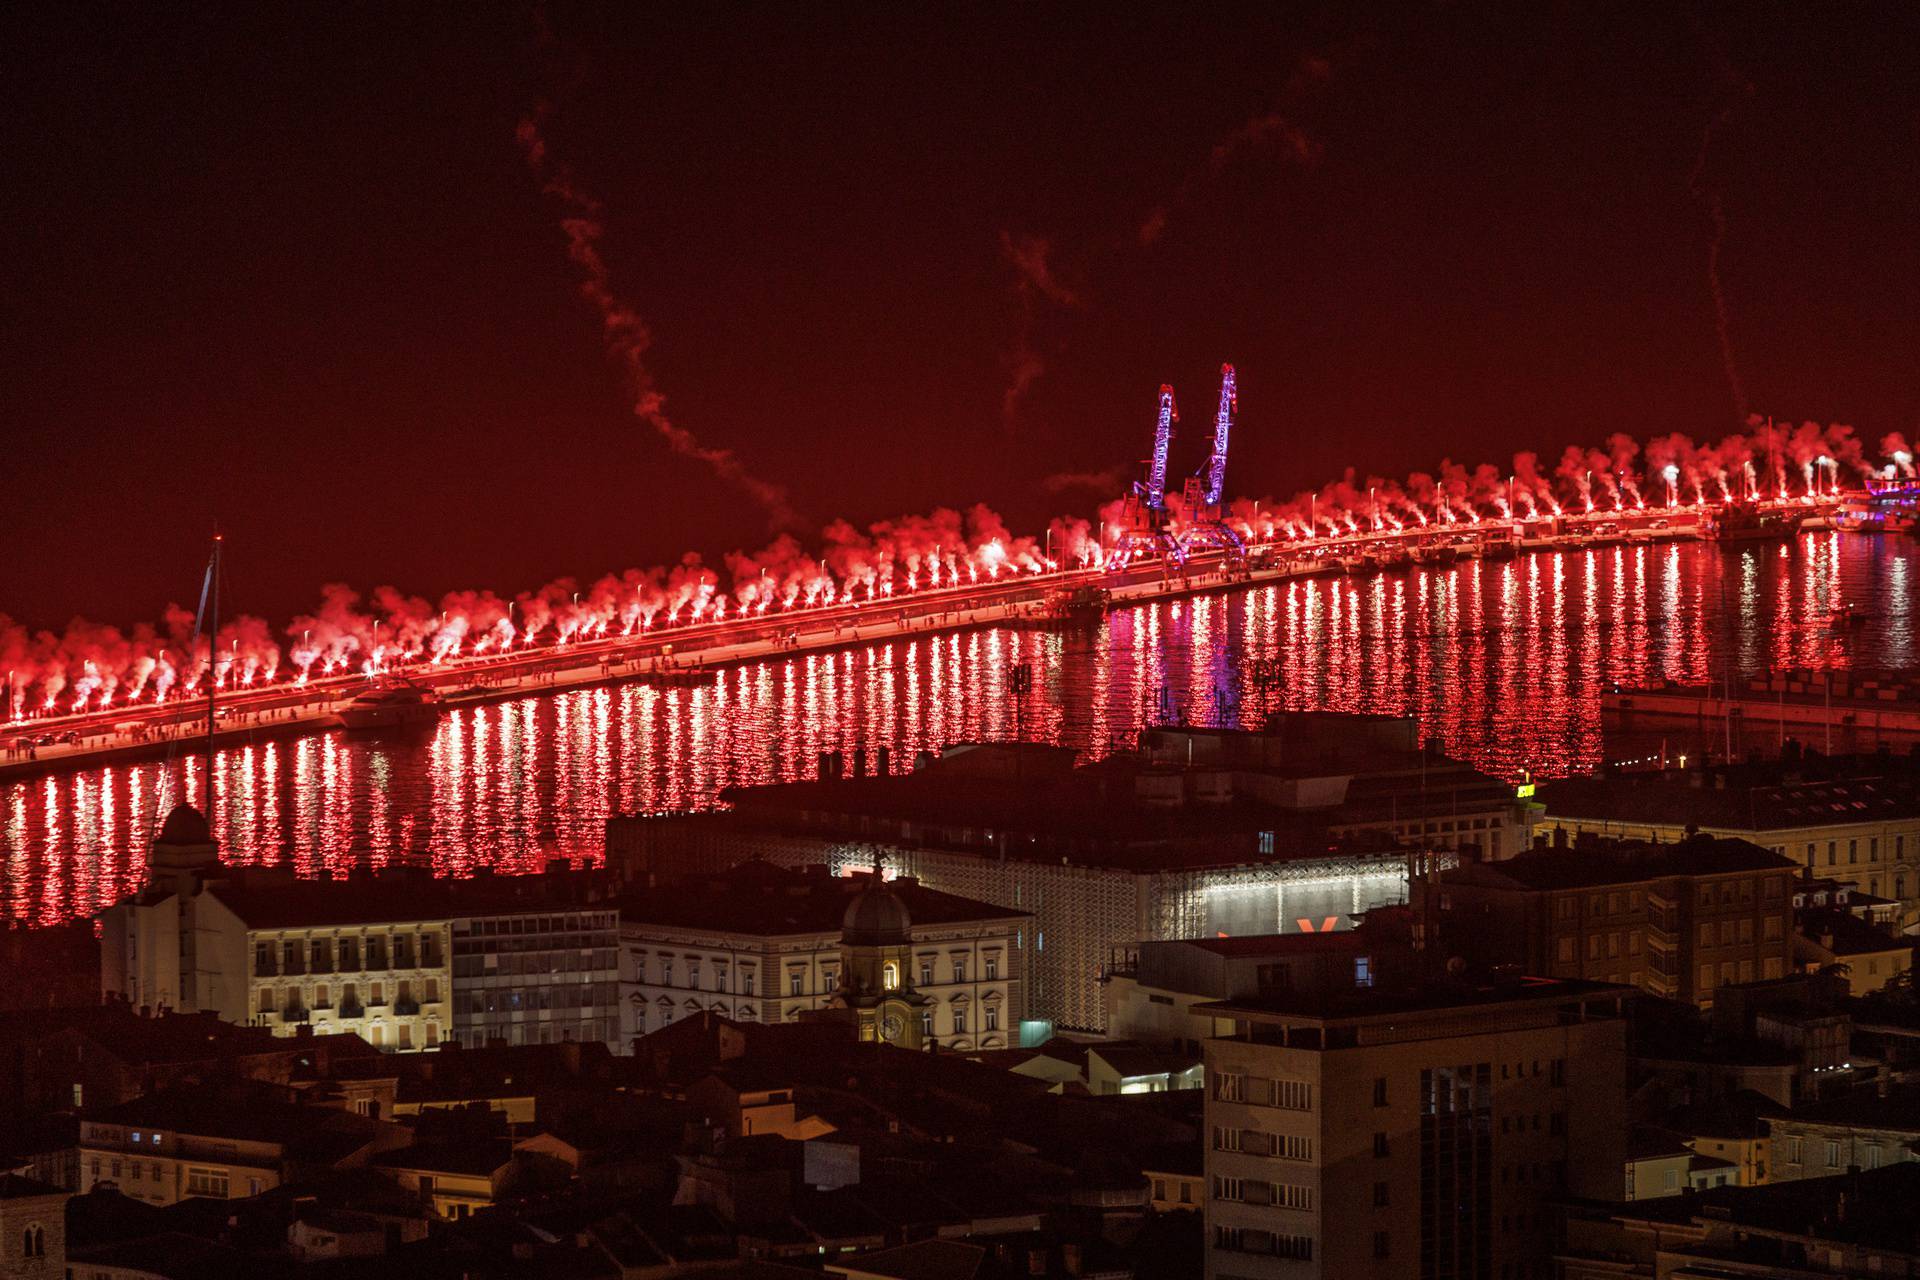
(876, 986)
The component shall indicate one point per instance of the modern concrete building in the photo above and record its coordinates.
(1193, 834)
(1410, 1128)
(762, 943)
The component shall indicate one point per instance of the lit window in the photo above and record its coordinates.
(890, 976)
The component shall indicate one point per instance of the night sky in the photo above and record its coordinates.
(285, 266)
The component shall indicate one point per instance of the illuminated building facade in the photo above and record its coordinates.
(1196, 834)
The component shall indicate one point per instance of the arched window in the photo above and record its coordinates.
(890, 976)
(33, 1242)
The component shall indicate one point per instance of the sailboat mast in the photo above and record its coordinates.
(213, 663)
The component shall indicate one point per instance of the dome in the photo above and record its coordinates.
(185, 826)
(875, 917)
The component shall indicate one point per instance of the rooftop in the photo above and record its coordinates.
(1841, 933)
(1594, 861)
(1434, 996)
(758, 899)
(264, 899)
(1758, 796)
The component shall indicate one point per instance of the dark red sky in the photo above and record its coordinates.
(285, 267)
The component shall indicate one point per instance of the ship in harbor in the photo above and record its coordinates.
(390, 703)
(1750, 522)
(1887, 506)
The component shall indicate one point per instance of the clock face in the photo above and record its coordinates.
(890, 1027)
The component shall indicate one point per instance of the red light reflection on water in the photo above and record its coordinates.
(1502, 663)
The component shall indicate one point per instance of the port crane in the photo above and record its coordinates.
(1203, 504)
(1146, 525)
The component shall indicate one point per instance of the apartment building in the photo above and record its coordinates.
(222, 1141)
(1675, 919)
(1855, 819)
(1410, 1128)
(760, 943)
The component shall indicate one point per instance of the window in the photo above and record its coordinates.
(1293, 1095)
(207, 1182)
(959, 1021)
(263, 965)
(993, 1017)
(926, 971)
(1229, 1188)
(33, 1242)
(1380, 1198)
(1224, 1139)
(320, 955)
(890, 976)
(1159, 1188)
(1289, 1147)
(1288, 1196)
(1379, 1145)
(666, 971)
(266, 999)
(693, 973)
(1833, 1155)
(992, 964)
(350, 955)
(959, 968)
(1563, 949)
(926, 1024)
(1363, 971)
(1793, 1151)
(1557, 1073)
(1382, 1244)
(1229, 1086)
(746, 982)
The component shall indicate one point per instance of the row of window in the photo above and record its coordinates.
(961, 1022)
(1853, 852)
(1257, 1142)
(535, 999)
(1281, 1195)
(1266, 1243)
(1868, 1154)
(581, 960)
(1260, 1091)
(797, 975)
(373, 953)
(292, 998)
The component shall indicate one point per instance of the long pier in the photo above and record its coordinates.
(684, 653)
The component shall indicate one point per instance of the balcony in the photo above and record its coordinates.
(352, 1009)
(296, 1013)
(406, 1007)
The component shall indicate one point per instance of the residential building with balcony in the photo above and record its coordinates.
(221, 1140)
(1412, 1127)
(1855, 819)
(1677, 920)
